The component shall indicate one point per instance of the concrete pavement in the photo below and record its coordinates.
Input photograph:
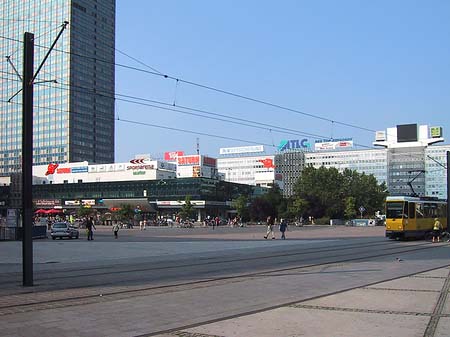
(416, 305)
(411, 306)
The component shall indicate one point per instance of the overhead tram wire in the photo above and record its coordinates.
(136, 60)
(195, 132)
(156, 126)
(158, 73)
(169, 107)
(29, 20)
(185, 112)
(215, 89)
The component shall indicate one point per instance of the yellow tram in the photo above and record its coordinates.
(413, 217)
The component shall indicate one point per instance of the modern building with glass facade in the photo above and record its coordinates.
(289, 165)
(436, 171)
(373, 161)
(74, 114)
(408, 162)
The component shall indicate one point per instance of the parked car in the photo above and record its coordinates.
(64, 229)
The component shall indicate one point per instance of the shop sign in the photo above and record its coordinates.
(267, 163)
(51, 168)
(293, 144)
(241, 149)
(47, 202)
(332, 144)
(80, 169)
(189, 160)
(208, 161)
(173, 155)
(72, 202)
(63, 170)
(140, 167)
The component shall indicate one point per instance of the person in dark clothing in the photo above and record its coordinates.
(283, 228)
(90, 226)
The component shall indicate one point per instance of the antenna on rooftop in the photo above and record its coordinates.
(198, 146)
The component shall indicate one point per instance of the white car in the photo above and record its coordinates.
(64, 230)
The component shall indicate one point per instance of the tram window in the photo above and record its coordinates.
(430, 210)
(412, 209)
(442, 211)
(405, 210)
(419, 210)
(394, 210)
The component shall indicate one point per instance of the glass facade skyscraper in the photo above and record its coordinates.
(74, 115)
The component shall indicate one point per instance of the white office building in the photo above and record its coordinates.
(246, 165)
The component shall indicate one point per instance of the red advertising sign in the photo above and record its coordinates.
(173, 155)
(189, 160)
(267, 163)
(51, 168)
(63, 170)
(208, 161)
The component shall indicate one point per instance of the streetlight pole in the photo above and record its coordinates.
(448, 189)
(27, 159)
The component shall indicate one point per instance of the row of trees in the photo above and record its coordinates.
(320, 193)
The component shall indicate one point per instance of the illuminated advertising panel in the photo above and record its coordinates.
(435, 132)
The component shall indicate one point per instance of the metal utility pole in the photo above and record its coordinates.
(448, 189)
(27, 159)
(27, 150)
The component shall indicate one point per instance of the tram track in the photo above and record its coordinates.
(204, 261)
(92, 294)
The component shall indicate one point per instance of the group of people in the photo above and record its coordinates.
(90, 227)
(283, 226)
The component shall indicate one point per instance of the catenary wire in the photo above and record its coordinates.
(244, 122)
(157, 73)
(159, 126)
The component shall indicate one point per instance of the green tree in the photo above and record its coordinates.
(350, 208)
(84, 211)
(125, 212)
(187, 209)
(241, 206)
(261, 208)
(326, 191)
(296, 207)
(321, 189)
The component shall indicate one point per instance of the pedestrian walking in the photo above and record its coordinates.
(283, 228)
(270, 223)
(216, 222)
(437, 227)
(115, 229)
(90, 226)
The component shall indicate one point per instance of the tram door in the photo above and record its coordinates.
(411, 215)
(405, 216)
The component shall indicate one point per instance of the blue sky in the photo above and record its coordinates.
(371, 64)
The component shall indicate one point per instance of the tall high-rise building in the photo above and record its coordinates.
(74, 91)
